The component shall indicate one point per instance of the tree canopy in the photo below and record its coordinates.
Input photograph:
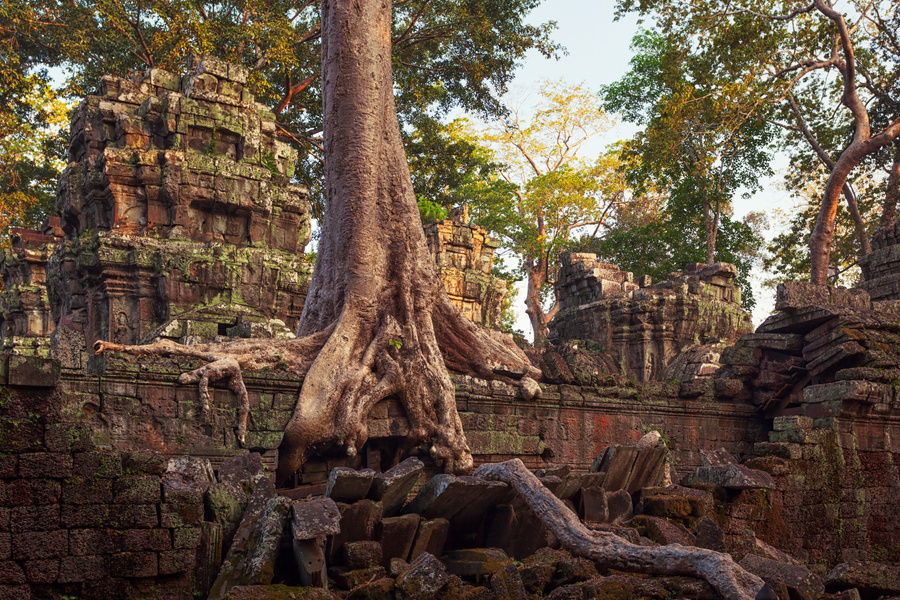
(807, 67)
(456, 53)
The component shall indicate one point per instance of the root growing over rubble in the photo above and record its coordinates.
(376, 322)
(608, 550)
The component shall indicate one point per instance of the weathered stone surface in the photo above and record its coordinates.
(870, 578)
(277, 592)
(619, 506)
(392, 487)
(431, 536)
(348, 485)
(717, 458)
(250, 558)
(798, 580)
(424, 578)
(736, 477)
(645, 327)
(349, 579)
(380, 589)
(447, 496)
(662, 531)
(315, 517)
(242, 470)
(799, 294)
(507, 584)
(475, 562)
(192, 468)
(397, 535)
(362, 555)
(593, 507)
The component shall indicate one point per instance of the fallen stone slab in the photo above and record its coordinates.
(787, 580)
(392, 487)
(314, 518)
(792, 295)
(251, 558)
(872, 579)
(475, 562)
(311, 521)
(363, 555)
(397, 535)
(506, 584)
(277, 592)
(424, 578)
(734, 477)
(431, 536)
(348, 485)
(446, 496)
(358, 523)
(717, 458)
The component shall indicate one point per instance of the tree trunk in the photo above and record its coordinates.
(377, 321)
(611, 551)
(892, 195)
(711, 227)
(533, 307)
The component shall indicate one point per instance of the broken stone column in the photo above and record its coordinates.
(313, 520)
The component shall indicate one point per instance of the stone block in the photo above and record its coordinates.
(31, 371)
(593, 507)
(139, 540)
(619, 506)
(100, 464)
(315, 517)
(348, 485)
(446, 496)
(251, 558)
(799, 294)
(45, 465)
(424, 578)
(34, 518)
(24, 492)
(431, 536)
(362, 555)
(870, 578)
(76, 569)
(358, 523)
(144, 462)
(244, 470)
(39, 545)
(134, 564)
(392, 487)
(798, 580)
(735, 477)
(397, 535)
(86, 542)
(176, 561)
(41, 571)
(137, 490)
(475, 562)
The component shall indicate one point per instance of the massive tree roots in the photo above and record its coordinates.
(611, 551)
(350, 366)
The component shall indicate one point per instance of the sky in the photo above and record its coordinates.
(598, 54)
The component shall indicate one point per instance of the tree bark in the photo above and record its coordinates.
(610, 551)
(377, 321)
(533, 308)
(863, 144)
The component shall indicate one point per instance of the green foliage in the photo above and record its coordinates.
(748, 60)
(32, 141)
(455, 53)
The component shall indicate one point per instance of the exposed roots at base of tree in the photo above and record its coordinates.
(610, 551)
(361, 359)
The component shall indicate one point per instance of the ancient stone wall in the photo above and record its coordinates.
(81, 521)
(26, 320)
(465, 255)
(178, 198)
(883, 264)
(643, 326)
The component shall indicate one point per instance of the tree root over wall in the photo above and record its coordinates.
(611, 551)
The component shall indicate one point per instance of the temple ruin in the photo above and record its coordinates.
(664, 418)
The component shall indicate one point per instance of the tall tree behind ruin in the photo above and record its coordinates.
(555, 189)
(454, 53)
(763, 53)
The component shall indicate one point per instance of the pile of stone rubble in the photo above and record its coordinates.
(388, 535)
